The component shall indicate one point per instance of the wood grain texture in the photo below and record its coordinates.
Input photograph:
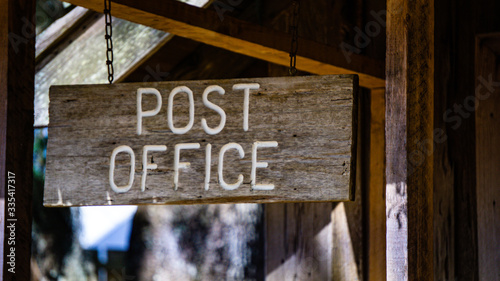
(310, 117)
(488, 156)
(317, 241)
(17, 55)
(242, 37)
(396, 151)
(409, 126)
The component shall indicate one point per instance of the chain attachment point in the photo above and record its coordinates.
(109, 40)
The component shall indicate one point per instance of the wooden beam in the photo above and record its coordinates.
(376, 267)
(17, 56)
(242, 37)
(409, 139)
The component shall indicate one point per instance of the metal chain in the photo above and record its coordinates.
(294, 31)
(109, 40)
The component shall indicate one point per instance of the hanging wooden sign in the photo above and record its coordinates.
(218, 141)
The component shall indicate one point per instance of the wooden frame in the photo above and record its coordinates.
(361, 63)
(409, 139)
(375, 197)
(410, 109)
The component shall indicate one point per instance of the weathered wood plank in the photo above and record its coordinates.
(409, 130)
(243, 37)
(487, 100)
(311, 119)
(17, 55)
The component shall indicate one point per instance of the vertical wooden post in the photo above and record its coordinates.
(375, 211)
(409, 139)
(17, 68)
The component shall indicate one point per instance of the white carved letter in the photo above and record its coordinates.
(170, 109)
(148, 113)
(182, 165)
(208, 162)
(256, 164)
(223, 150)
(121, 189)
(145, 165)
(216, 108)
(246, 99)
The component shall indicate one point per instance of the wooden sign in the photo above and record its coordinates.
(220, 141)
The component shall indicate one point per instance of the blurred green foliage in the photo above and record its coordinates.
(39, 153)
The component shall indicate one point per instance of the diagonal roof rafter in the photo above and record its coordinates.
(204, 25)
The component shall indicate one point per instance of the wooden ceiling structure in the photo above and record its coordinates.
(429, 207)
(251, 39)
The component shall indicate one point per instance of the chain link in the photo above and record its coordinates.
(294, 31)
(109, 40)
